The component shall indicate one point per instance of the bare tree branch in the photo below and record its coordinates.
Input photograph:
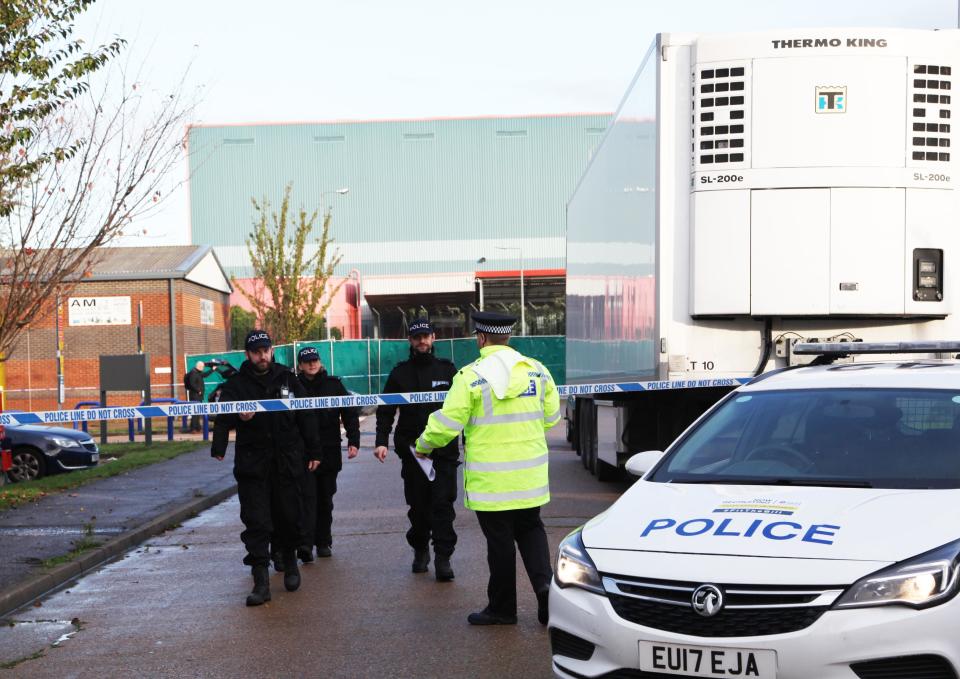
(126, 140)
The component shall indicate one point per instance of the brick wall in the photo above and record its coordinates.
(31, 382)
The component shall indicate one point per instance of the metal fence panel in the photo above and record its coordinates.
(364, 365)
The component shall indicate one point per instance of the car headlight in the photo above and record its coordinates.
(575, 567)
(64, 443)
(925, 580)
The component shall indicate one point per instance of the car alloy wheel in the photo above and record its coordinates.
(26, 465)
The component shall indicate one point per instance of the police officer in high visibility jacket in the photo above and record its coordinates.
(503, 403)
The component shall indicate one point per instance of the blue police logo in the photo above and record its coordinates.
(831, 99)
(745, 527)
(531, 390)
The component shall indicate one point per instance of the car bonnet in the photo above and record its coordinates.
(777, 521)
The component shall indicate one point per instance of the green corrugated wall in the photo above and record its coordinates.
(364, 365)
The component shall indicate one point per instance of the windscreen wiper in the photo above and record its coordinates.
(734, 481)
(832, 483)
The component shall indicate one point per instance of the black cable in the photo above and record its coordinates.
(766, 345)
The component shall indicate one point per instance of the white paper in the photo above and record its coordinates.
(426, 464)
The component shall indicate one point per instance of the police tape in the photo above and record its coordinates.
(326, 402)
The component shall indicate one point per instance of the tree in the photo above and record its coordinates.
(241, 322)
(84, 151)
(291, 290)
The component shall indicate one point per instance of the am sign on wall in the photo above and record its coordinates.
(99, 311)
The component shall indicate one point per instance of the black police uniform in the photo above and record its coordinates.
(193, 383)
(322, 484)
(431, 510)
(270, 461)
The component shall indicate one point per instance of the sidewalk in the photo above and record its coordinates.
(119, 512)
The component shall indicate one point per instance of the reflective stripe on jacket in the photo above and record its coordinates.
(505, 458)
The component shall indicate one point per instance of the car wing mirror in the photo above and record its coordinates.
(641, 463)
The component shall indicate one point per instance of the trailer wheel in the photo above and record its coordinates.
(591, 453)
(584, 445)
(606, 472)
(586, 428)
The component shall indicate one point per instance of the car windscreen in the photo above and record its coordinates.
(880, 438)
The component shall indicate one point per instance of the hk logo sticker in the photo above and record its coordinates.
(831, 99)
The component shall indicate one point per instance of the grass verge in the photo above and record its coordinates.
(128, 456)
(84, 544)
(13, 663)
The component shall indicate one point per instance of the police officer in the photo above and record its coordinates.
(321, 484)
(431, 511)
(274, 450)
(503, 402)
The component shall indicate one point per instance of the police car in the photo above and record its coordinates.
(806, 527)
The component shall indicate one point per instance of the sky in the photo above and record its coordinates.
(289, 61)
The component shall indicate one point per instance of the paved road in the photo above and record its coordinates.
(174, 607)
(40, 530)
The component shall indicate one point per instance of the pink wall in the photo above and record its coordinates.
(341, 314)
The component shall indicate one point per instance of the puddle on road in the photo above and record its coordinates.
(25, 640)
(47, 531)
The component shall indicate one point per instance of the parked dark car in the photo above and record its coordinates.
(40, 451)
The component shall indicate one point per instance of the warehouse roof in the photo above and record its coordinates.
(195, 263)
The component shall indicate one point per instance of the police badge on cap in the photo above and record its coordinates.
(492, 323)
(308, 354)
(420, 326)
(256, 339)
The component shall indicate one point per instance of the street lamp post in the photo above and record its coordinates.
(482, 260)
(340, 192)
(523, 310)
(359, 301)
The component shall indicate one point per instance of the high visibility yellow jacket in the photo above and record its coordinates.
(503, 403)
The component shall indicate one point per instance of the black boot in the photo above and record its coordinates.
(442, 569)
(485, 617)
(291, 571)
(261, 586)
(421, 559)
(324, 551)
(277, 561)
(543, 606)
(305, 554)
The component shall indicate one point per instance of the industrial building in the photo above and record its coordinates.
(430, 216)
(164, 301)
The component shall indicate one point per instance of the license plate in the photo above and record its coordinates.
(707, 661)
(95, 457)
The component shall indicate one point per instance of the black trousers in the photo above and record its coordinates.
(502, 530)
(195, 419)
(319, 488)
(271, 509)
(431, 511)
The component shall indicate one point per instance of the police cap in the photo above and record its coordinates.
(256, 339)
(308, 354)
(420, 326)
(492, 323)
